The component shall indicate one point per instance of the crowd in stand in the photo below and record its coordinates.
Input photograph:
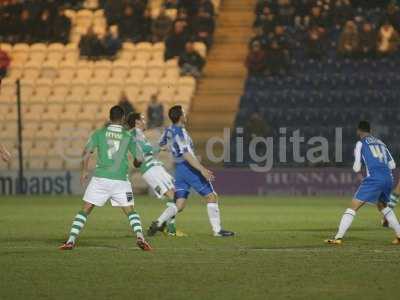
(355, 29)
(32, 21)
(195, 21)
(95, 46)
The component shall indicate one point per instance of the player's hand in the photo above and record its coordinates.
(84, 177)
(5, 155)
(137, 163)
(360, 177)
(208, 175)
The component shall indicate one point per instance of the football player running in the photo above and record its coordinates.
(189, 174)
(375, 187)
(152, 169)
(110, 181)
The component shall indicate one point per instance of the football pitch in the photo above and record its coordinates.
(278, 252)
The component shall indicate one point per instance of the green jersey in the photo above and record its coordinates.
(145, 151)
(112, 143)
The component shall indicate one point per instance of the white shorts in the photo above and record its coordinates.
(100, 190)
(159, 180)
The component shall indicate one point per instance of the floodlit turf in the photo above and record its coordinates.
(277, 254)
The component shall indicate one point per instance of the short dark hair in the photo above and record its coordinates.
(132, 118)
(117, 113)
(175, 113)
(364, 126)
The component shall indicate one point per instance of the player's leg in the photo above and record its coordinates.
(77, 226)
(213, 213)
(388, 213)
(170, 212)
(394, 200)
(96, 194)
(122, 196)
(346, 221)
(136, 226)
(171, 223)
(395, 197)
(368, 191)
(180, 195)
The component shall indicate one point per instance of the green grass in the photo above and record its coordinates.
(277, 254)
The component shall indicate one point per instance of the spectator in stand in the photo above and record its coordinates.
(207, 6)
(266, 20)
(349, 40)
(255, 127)
(90, 45)
(139, 7)
(393, 15)
(111, 41)
(316, 18)
(175, 43)
(388, 40)
(259, 37)
(260, 6)
(155, 113)
(147, 22)
(314, 44)
(342, 12)
(302, 18)
(61, 27)
(368, 39)
(285, 12)
(256, 59)
(203, 27)
(190, 6)
(279, 35)
(190, 61)
(4, 64)
(113, 10)
(182, 17)
(277, 60)
(43, 30)
(170, 4)
(131, 24)
(161, 26)
(269, 24)
(126, 104)
(25, 27)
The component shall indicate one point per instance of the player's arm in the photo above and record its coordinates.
(134, 152)
(163, 143)
(86, 156)
(357, 158)
(193, 161)
(183, 148)
(4, 154)
(395, 195)
(391, 162)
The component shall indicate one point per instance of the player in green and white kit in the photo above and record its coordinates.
(110, 181)
(152, 169)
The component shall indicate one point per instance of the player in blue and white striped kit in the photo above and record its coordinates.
(376, 187)
(189, 174)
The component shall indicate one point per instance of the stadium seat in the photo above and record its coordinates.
(54, 163)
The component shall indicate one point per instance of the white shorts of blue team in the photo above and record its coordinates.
(100, 190)
(159, 180)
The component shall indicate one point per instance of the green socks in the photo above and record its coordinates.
(134, 221)
(77, 226)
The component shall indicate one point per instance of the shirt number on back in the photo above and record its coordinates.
(113, 147)
(377, 152)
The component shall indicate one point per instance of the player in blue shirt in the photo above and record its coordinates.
(189, 173)
(376, 187)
